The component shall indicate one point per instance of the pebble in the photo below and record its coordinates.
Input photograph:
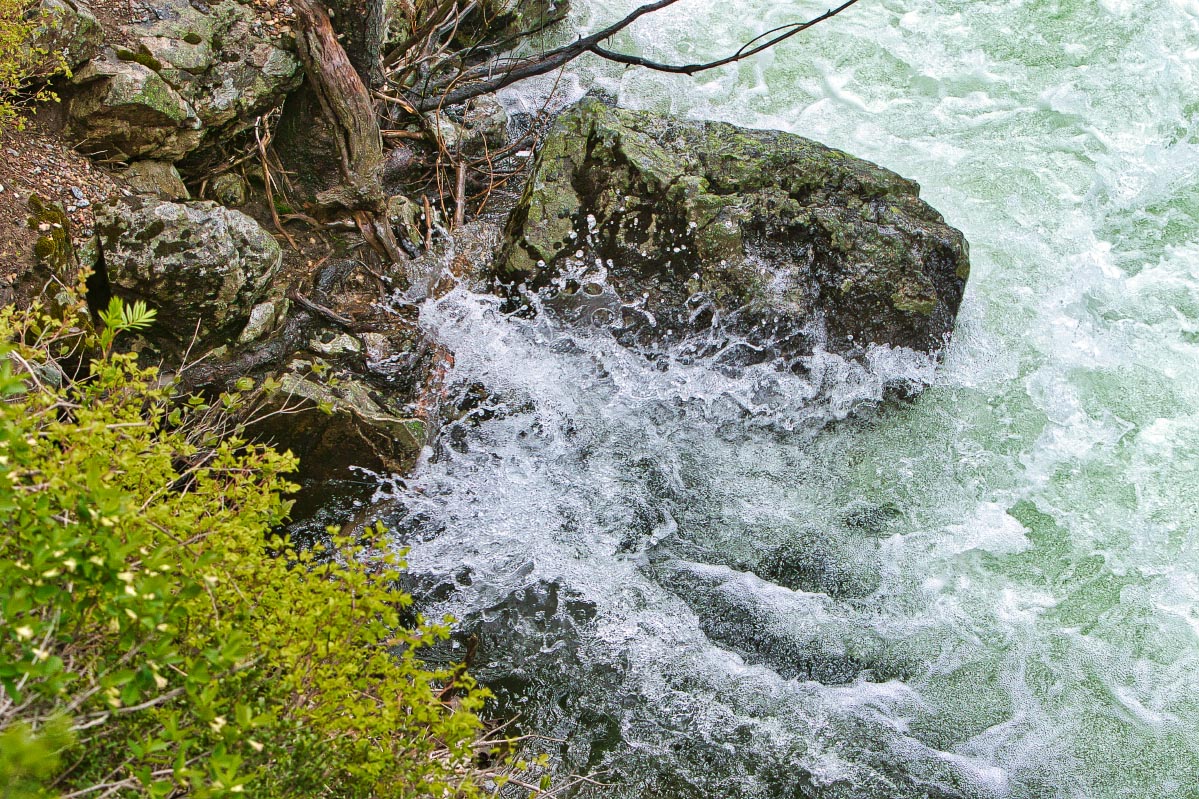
(84, 203)
(77, 193)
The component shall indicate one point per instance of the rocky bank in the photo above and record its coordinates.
(676, 236)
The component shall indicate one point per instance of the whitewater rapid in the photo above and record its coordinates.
(743, 584)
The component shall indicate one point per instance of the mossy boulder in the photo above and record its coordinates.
(220, 60)
(193, 75)
(53, 248)
(698, 235)
(202, 266)
(333, 424)
(66, 30)
(123, 109)
(371, 399)
(56, 261)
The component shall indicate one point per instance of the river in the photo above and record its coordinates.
(712, 583)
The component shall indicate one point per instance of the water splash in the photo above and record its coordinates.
(750, 583)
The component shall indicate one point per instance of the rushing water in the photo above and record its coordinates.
(714, 584)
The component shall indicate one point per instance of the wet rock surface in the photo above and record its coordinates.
(670, 231)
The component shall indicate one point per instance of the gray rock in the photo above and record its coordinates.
(331, 428)
(199, 68)
(672, 231)
(202, 266)
(334, 344)
(449, 134)
(263, 318)
(156, 178)
(486, 122)
(229, 189)
(123, 109)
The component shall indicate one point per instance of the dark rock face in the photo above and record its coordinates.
(672, 231)
(202, 266)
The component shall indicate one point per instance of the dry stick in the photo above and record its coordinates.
(266, 179)
(403, 134)
(460, 196)
(431, 24)
(440, 187)
(320, 310)
(400, 101)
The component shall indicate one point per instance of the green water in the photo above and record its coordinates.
(1002, 597)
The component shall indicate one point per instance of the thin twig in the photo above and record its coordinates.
(460, 196)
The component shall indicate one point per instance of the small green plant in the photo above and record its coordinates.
(119, 318)
(157, 640)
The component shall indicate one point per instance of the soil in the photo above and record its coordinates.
(37, 160)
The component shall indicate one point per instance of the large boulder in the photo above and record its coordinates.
(333, 425)
(202, 266)
(196, 74)
(705, 234)
(123, 109)
(369, 399)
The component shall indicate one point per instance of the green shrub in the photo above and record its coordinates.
(22, 62)
(156, 640)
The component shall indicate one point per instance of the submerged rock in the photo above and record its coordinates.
(669, 231)
(202, 266)
(123, 109)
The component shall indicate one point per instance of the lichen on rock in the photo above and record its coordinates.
(202, 266)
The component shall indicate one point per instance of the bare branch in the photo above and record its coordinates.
(540, 65)
(747, 50)
(484, 79)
